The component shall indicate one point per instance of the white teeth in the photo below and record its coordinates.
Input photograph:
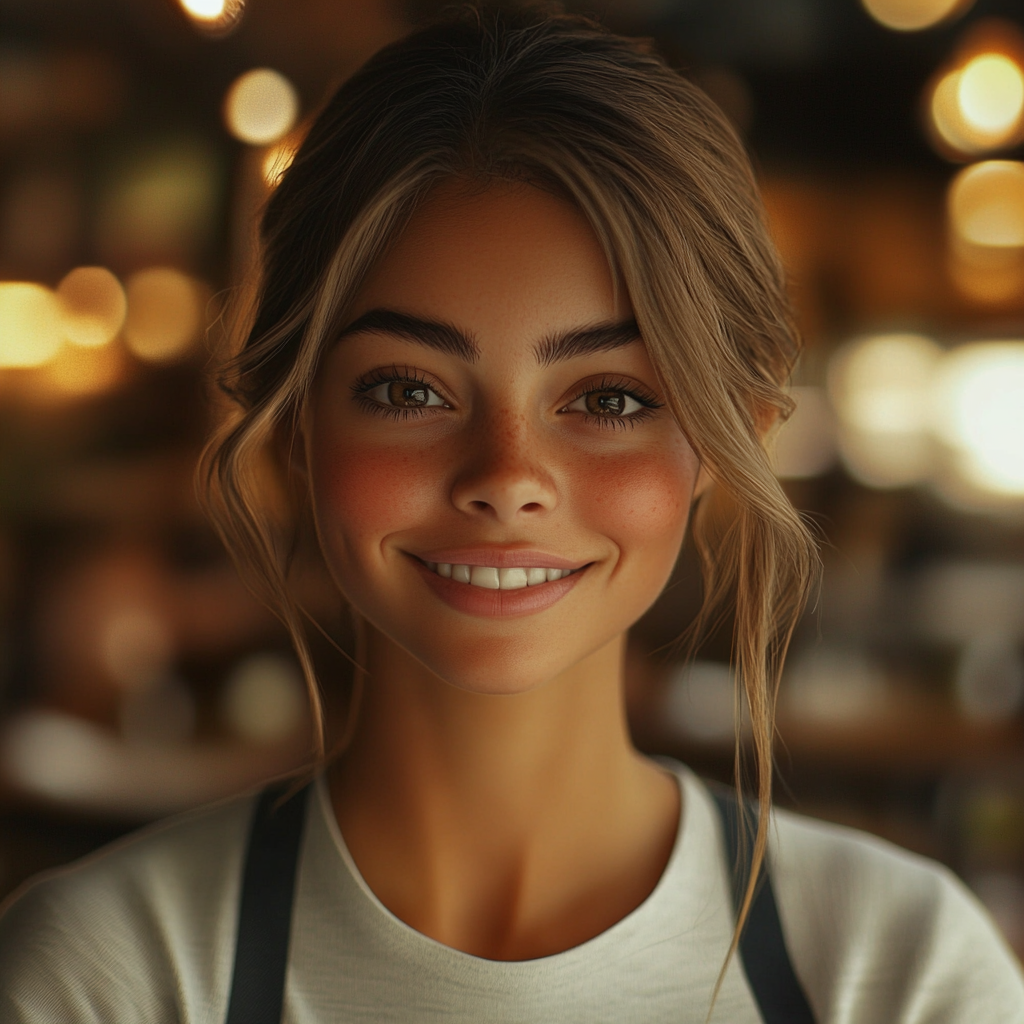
(512, 579)
(484, 576)
(497, 579)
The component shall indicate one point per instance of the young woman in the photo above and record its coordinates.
(518, 313)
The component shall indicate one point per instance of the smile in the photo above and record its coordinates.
(492, 578)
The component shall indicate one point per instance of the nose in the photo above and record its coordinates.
(505, 475)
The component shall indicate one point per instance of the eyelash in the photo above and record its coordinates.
(389, 375)
(629, 388)
(406, 375)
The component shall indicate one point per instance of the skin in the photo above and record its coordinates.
(491, 796)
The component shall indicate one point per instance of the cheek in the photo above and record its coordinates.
(642, 502)
(364, 492)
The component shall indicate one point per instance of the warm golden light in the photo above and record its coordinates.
(164, 314)
(276, 161)
(979, 411)
(979, 107)
(93, 306)
(260, 107)
(76, 372)
(30, 324)
(205, 10)
(880, 388)
(990, 92)
(912, 15)
(986, 204)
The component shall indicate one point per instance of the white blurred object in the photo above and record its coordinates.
(264, 698)
(978, 409)
(805, 445)
(990, 679)
(700, 702)
(72, 763)
(834, 686)
(261, 106)
(880, 386)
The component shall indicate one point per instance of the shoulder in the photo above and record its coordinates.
(142, 928)
(878, 933)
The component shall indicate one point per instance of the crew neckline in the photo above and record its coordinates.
(691, 806)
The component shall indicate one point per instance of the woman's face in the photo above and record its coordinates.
(488, 420)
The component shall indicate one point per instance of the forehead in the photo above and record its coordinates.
(489, 258)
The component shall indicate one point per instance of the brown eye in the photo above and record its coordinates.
(407, 395)
(605, 403)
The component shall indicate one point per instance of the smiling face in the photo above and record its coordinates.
(490, 419)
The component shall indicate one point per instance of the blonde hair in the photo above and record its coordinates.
(664, 182)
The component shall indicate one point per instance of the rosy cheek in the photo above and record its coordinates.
(641, 500)
(363, 491)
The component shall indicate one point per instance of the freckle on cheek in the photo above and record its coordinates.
(372, 489)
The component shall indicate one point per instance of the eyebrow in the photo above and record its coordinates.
(448, 338)
(433, 333)
(586, 340)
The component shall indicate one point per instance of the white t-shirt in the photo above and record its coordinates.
(144, 931)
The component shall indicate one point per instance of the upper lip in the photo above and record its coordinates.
(499, 558)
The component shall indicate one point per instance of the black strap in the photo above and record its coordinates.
(265, 908)
(775, 986)
(268, 887)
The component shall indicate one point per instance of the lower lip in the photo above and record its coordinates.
(498, 604)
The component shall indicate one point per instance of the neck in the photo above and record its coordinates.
(451, 800)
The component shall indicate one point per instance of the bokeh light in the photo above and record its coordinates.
(261, 106)
(164, 314)
(805, 445)
(206, 10)
(881, 389)
(986, 204)
(978, 410)
(93, 306)
(978, 107)
(264, 699)
(215, 17)
(991, 93)
(30, 324)
(912, 15)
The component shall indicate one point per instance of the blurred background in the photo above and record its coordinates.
(138, 140)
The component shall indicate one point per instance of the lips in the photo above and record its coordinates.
(472, 583)
(493, 578)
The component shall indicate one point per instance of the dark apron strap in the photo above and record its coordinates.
(775, 986)
(265, 908)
